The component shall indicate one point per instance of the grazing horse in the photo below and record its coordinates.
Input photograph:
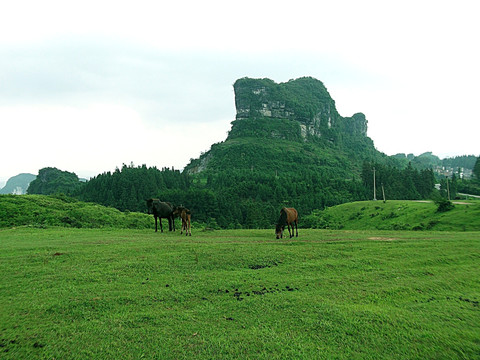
(288, 216)
(186, 216)
(161, 209)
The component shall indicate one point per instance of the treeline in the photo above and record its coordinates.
(128, 188)
(398, 184)
(230, 199)
(428, 160)
(253, 199)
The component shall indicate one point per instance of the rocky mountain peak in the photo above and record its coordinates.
(305, 101)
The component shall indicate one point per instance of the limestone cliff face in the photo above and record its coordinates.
(304, 100)
(357, 124)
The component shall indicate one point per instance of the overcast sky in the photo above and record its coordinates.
(90, 86)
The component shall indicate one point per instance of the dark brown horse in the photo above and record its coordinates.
(186, 217)
(288, 216)
(161, 209)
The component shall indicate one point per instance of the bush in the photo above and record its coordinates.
(444, 205)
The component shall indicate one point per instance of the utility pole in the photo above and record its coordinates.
(374, 187)
(448, 190)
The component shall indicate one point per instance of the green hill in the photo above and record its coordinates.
(397, 215)
(44, 211)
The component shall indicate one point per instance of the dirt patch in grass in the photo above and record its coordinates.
(380, 238)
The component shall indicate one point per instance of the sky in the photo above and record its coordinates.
(88, 86)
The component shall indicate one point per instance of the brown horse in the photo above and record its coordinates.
(288, 216)
(186, 217)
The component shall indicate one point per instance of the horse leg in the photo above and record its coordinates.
(290, 233)
(156, 223)
(161, 226)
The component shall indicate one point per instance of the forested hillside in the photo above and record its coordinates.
(288, 146)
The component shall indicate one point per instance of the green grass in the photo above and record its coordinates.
(45, 211)
(397, 215)
(238, 294)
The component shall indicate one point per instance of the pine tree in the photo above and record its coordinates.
(476, 169)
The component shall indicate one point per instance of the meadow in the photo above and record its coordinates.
(69, 293)
(397, 215)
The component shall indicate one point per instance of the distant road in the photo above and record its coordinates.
(468, 195)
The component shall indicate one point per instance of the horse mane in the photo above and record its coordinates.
(283, 218)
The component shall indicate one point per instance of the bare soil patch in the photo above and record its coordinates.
(379, 238)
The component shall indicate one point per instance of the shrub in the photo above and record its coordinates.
(444, 205)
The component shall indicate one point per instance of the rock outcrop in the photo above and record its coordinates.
(293, 124)
(18, 184)
(304, 100)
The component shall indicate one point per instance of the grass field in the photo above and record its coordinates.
(238, 294)
(397, 215)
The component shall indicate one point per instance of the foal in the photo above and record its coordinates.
(186, 216)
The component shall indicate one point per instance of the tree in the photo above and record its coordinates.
(476, 169)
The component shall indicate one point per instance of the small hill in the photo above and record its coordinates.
(53, 181)
(397, 215)
(18, 184)
(45, 211)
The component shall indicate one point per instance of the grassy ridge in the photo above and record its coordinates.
(45, 211)
(397, 215)
(130, 294)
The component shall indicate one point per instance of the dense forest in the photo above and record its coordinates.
(399, 184)
(241, 198)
